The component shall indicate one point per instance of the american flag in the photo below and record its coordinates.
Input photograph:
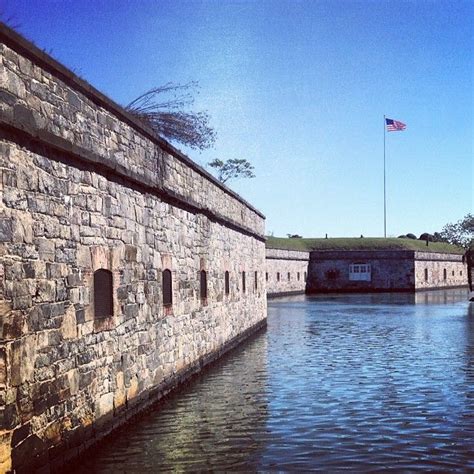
(394, 125)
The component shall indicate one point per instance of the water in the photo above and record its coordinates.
(336, 383)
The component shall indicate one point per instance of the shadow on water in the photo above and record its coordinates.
(360, 382)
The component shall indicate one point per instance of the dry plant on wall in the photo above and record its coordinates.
(163, 109)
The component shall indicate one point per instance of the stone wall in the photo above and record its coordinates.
(286, 271)
(391, 270)
(84, 187)
(438, 270)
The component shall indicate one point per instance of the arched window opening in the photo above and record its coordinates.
(203, 284)
(167, 288)
(243, 282)
(227, 283)
(103, 294)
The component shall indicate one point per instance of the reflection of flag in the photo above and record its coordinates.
(394, 125)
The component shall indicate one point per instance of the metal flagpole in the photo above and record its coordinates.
(384, 186)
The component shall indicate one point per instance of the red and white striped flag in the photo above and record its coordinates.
(394, 125)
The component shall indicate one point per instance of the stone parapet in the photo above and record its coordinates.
(44, 100)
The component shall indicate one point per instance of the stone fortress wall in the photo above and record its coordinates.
(390, 270)
(286, 271)
(439, 270)
(95, 215)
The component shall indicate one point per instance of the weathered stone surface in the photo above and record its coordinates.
(129, 207)
(285, 271)
(391, 270)
(6, 231)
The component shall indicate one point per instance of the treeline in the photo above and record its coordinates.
(459, 233)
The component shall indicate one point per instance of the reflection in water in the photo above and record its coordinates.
(360, 382)
(214, 422)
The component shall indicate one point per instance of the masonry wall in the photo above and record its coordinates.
(391, 270)
(286, 271)
(443, 270)
(85, 187)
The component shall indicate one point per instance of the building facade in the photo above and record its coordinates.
(286, 272)
(384, 270)
(124, 266)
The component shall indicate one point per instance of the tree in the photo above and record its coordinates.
(168, 118)
(232, 168)
(460, 233)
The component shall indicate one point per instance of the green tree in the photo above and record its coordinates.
(231, 169)
(163, 109)
(460, 233)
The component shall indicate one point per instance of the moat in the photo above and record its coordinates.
(359, 382)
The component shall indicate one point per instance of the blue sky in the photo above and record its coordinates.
(299, 88)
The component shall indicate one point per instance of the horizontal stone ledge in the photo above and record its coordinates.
(59, 149)
(46, 62)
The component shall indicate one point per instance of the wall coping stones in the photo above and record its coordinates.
(283, 254)
(32, 52)
(384, 255)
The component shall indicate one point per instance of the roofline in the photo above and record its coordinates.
(25, 47)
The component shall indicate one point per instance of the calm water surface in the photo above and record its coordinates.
(343, 382)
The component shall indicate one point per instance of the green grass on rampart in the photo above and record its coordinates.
(365, 243)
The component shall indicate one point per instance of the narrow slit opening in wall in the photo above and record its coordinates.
(203, 284)
(103, 294)
(227, 283)
(167, 288)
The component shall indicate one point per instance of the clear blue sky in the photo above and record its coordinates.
(299, 88)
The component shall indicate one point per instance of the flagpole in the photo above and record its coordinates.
(384, 186)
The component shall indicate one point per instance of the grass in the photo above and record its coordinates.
(366, 243)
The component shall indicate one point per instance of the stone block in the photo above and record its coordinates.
(104, 405)
(6, 230)
(46, 249)
(22, 360)
(69, 324)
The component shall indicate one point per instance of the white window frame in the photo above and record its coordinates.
(360, 272)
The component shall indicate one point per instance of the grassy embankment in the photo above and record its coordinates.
(365, 243)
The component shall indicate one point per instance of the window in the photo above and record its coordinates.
(227, 283)
(278, 276)
(243, 282)
(289, 276)
(203, 284)
(103, 294)
(298, 276)
(460, 273)
(453, 273)
(426, 274)
(360, 272)
(266, 276)
(256, 281)
(167, 288)
(445, 274)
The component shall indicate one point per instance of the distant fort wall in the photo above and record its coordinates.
(384, 270)
(286, 271)
(124, 266)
